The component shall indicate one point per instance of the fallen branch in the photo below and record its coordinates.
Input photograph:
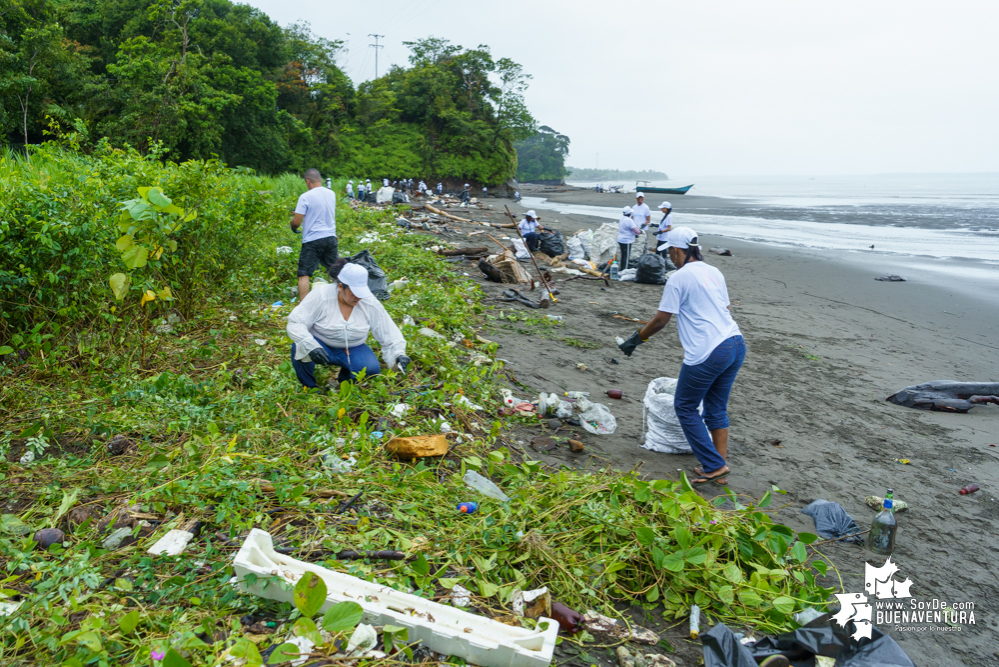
(447, 215)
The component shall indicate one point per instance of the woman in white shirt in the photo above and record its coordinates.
(530, 229)
(713, 351)
(627, 231)
(331, 326)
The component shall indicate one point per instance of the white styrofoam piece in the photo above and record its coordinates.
(439, 627)
(172, 544)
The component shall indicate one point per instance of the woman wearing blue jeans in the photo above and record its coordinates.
(713, 351)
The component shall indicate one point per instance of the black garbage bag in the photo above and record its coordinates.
(400, 197)
(832, 521)
(721, 648)
(551, 243)
(376, 276)
(651, 269)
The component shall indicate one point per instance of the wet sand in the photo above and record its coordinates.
(827, 344)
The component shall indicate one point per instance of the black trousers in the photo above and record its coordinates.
(623, 255)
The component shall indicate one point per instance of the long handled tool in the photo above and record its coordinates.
(533, 261)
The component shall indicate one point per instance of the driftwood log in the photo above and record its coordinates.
(446, 214)
(947, 396)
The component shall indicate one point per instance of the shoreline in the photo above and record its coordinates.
(827, 344)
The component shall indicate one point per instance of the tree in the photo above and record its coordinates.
(542, 156)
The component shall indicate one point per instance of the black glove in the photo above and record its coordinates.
(295, 229)
(403, 362)
(319, 355)
(629, 345)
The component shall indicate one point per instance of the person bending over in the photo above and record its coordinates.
(531, 230)
(331, 326)
(713, 351)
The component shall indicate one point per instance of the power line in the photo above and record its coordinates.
(376, 46)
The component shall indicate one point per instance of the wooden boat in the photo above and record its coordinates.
(665, 191)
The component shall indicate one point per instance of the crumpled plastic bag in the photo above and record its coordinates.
(832, 521)
(597, 419)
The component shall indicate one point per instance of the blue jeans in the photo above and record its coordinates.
(709, 381)
(351, 361)
(531, 240)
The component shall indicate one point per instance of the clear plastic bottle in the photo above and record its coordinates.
(484, 486)
(881, 539)
(613, 270)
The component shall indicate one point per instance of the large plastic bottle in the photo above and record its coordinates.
(881, 539)
(613, 270)
(484, 486)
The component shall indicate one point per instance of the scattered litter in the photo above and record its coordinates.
(832, 521)
(581, 367)
(614, 393)
(114, 540)
(8, 608)
(478, 359)
(333, 463)
(441, 628)
(877, 503)
(430, 333)
(463, 401)
(468, 507)
(445, 427)
(971, 488)
(554, 318)
(891, 278)
(283, 250)
(399, 410)
(627, 275)
(607, 630)
(260, 341)
(531, 604)
(695, 621)
(276, 305)
(904, 462)
(947, 396)
(175, 541)
(29, 457)
(460, 596)
(718, 250)
(484, 486)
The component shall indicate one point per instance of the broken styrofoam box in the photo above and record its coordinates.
(172, 544)
(439, 627)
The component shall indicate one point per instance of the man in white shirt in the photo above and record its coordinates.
(640, 213)
(529, 228)
(331, 327)
(665, 225)
(316, 215)
(350, 189)
(440, 189)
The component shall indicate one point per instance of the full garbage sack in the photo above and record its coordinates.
(384, 195)
(659, 421)
(651, 269)
(832, 521)
(832, 641)
(520, 250)
(376, 276)
(585, 237)
(721, 648)
(597, 419)
(604, 245)
(551, 243)
(627, 275)
(400, 198)
(575, 248)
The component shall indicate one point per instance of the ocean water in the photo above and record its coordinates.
(941, 216)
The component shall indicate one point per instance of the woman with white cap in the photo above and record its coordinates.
(713, 351)
(530, 229)
(627, 231)
(331, 326)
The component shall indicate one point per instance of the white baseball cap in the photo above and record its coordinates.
(665, 204)
(531, 214)
(639, 194)
(355, 277)
(679, 237)
(466, 185)
(626, 210)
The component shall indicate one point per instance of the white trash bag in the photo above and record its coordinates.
(520, 250)
(575, 248)
(597, 419)
(663, 432)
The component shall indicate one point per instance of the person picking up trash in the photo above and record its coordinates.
(530, 229)
(713, 351)
(640, 212)
(331, 326)
(315, 213)
(627, 231)
(665, 225)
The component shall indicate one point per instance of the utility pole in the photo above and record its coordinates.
(376, 46)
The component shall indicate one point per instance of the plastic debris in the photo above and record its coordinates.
(465, 403)
(430, 333)
(114, 540)
(614, 393)
(971, 488)
(468, 507)
(598, 420)
(460, 596)
(891, 278)
(8, 608)
(399, 410)
(832, 521)
(531, 604)
(408, 321)
(660, 425)
(877, 502)
(418, 446)
(441, 628)
(362, 640)
(29, 457)
(333, 463)
(608, 630)
(260, 341)
(283, 250)
(484, 486)
(172, 544)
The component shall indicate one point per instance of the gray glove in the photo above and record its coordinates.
(403, 362)
(629, 345)
(319, 355)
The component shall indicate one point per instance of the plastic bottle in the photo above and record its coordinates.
(614, 393)
(613, 270)
(468, 507)
(554, 318)
(881, 539)
(577, 394)
(476, 481)
(971, 488)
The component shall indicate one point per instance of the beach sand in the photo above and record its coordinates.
(827, 344)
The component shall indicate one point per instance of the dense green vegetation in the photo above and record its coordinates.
(200, 79)
(610, 175)
(541, 157)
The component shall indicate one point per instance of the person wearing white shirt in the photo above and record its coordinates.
(315, 213)
(713, 351)
(627, 231)
(665, 225)
(331, 326)
(350, 189)
(640, 212)
(529, 228)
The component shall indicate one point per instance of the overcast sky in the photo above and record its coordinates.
(725, 86)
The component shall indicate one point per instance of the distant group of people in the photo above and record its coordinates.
(409, 186)
(633, 223)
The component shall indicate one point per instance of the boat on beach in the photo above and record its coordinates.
(662, 191)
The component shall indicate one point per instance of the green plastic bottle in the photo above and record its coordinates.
(881, 539)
